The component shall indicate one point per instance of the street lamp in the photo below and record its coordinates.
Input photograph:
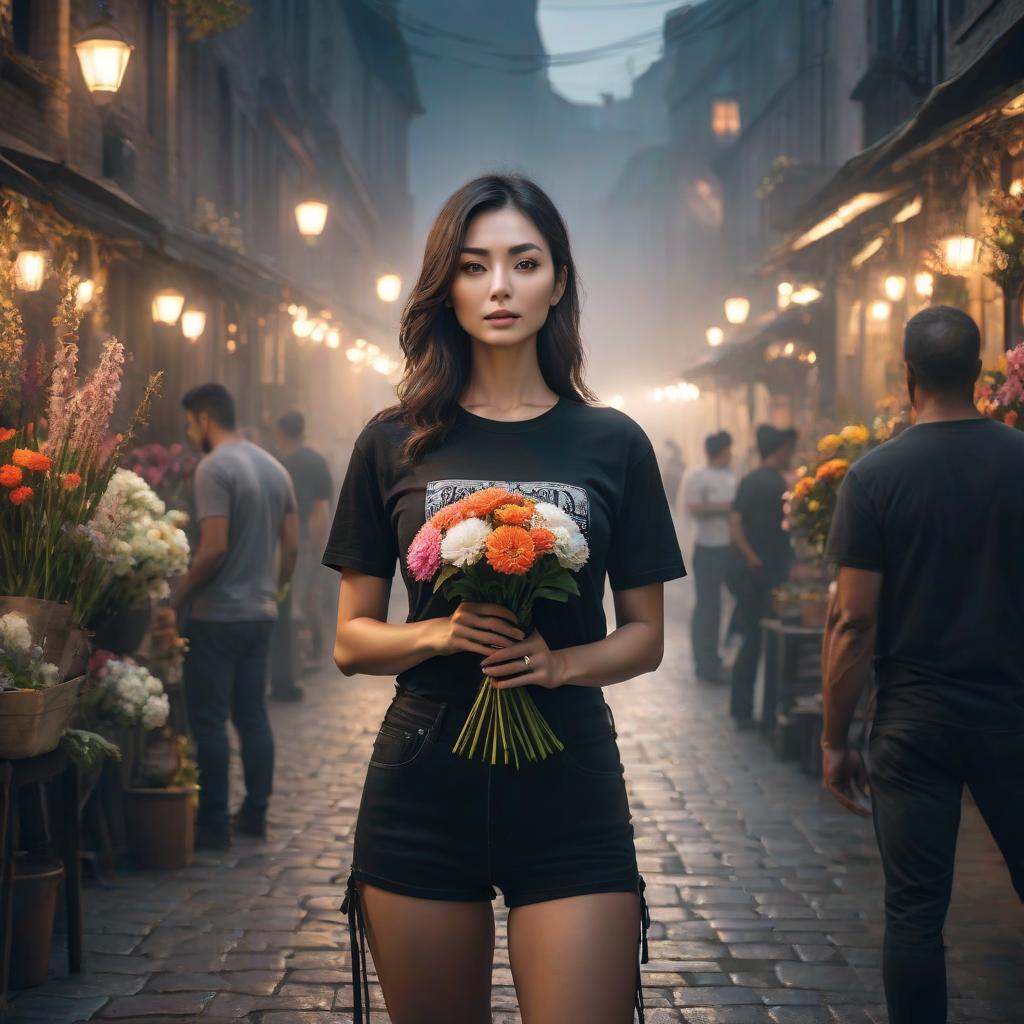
(167, 304)
(895, 286)
(715, 336)
(193, 323)
(85, 292)
(389, 287)
(311, 216)
(958, 252)
(737, 308)
(103, 53)
(924, 284)
(879, 310)
(29, 269)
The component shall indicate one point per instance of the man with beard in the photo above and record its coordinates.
(245, 507)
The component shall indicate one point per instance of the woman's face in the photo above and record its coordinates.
(505, 283)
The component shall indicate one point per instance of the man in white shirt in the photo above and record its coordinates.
(709, 493)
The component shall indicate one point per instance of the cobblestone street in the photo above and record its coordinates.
(765, 898)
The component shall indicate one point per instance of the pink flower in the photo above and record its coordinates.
(63, 382)
(424, 555)
(94, 404)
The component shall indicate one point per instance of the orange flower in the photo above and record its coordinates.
(10, 476)
(514, 515)
(1011, 418)
(510, 550)
(20, 495)
(483, 503)
(543, 539)
(35, 461)
(834, 469)
(803, 487)
(72, 481)
(6, 433)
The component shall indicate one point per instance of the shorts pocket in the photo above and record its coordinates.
(397, 747)
(594, 756)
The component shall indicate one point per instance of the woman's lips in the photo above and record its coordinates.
(501, 321)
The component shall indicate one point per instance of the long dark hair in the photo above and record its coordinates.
(438, 354)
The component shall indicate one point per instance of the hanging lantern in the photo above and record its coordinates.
(737, 308)
(389, 287)
(103, 53)
(29, 269)
(193, 323)
(232, 346)
(924, 284)
(806, 295)
(895, 287)
(85, 292)
(715, 336)
(355, 355)
(879, 310)
(167, 305)
(959, 251)
(311, 216)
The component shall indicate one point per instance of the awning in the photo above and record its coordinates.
(743, 358)
(993, 79)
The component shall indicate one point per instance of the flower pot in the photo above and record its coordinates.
(159, 823)
(32, 721)
(814, 611)
(122, 632)
(49, 622)
(36, 882)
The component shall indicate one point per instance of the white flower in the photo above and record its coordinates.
(464, 543)
(571, 548)
(49, 674)
(552, 517)
(155, 712)
(15, 633)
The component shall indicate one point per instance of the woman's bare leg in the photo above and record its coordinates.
(575, 959)
(433, 957)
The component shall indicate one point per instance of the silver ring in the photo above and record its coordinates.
(526, 659)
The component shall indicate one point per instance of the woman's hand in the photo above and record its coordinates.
(507, 669)
(478, 626)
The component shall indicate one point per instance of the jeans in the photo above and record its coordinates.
(225, 675)
(918, 771)
(709, 565)
(753, 601)
(284, 660)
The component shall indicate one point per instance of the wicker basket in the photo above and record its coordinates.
(32, 721)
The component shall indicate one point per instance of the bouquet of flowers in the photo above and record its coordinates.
(811, 503)
(495, 545)
(168, 469)
(21, 659)
(141, 542)
(123, 692)
(999, 393)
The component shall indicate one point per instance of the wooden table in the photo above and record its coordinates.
(13, 775)
(792, 667)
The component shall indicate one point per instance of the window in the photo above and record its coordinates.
(725, 118)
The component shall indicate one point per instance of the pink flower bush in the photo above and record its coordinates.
(424, 555)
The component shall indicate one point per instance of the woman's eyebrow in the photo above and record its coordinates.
(515, 250)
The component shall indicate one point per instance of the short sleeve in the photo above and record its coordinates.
(643, 547)
(855, 539)
(361, 536)
(212, 492)
(743, 503)
(693, 493)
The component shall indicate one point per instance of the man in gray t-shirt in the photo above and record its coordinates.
(246, 510)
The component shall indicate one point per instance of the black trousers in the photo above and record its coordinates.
(284, 661)
(753, 599)
(918, 772)
(709, 565)
(226, 676)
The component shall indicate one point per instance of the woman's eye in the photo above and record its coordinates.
(472, 267)
(528, 264)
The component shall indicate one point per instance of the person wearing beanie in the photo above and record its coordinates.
(760, 560)
(709, 494)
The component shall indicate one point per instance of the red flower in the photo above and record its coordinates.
(72, 481)
(29, 459)
(10, 476)
(6, 433)
(20, 495)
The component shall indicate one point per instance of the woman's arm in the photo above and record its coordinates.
(635, 647)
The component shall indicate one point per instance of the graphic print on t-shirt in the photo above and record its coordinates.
(572, 500)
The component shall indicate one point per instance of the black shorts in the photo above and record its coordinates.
(437, 825)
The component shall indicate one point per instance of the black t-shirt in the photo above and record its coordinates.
(311, 479)
(594, 463)
(939, 511)
(759, 503)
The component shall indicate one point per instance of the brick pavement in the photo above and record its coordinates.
(765, 898)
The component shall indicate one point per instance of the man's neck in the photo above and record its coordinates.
(224, 437)
(945, 410)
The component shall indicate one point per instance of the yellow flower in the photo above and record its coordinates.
(856, 434)
(829, 445)
(814, 506)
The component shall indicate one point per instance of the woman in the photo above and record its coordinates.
(493, 395)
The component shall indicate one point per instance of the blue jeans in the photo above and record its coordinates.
(225, 676)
